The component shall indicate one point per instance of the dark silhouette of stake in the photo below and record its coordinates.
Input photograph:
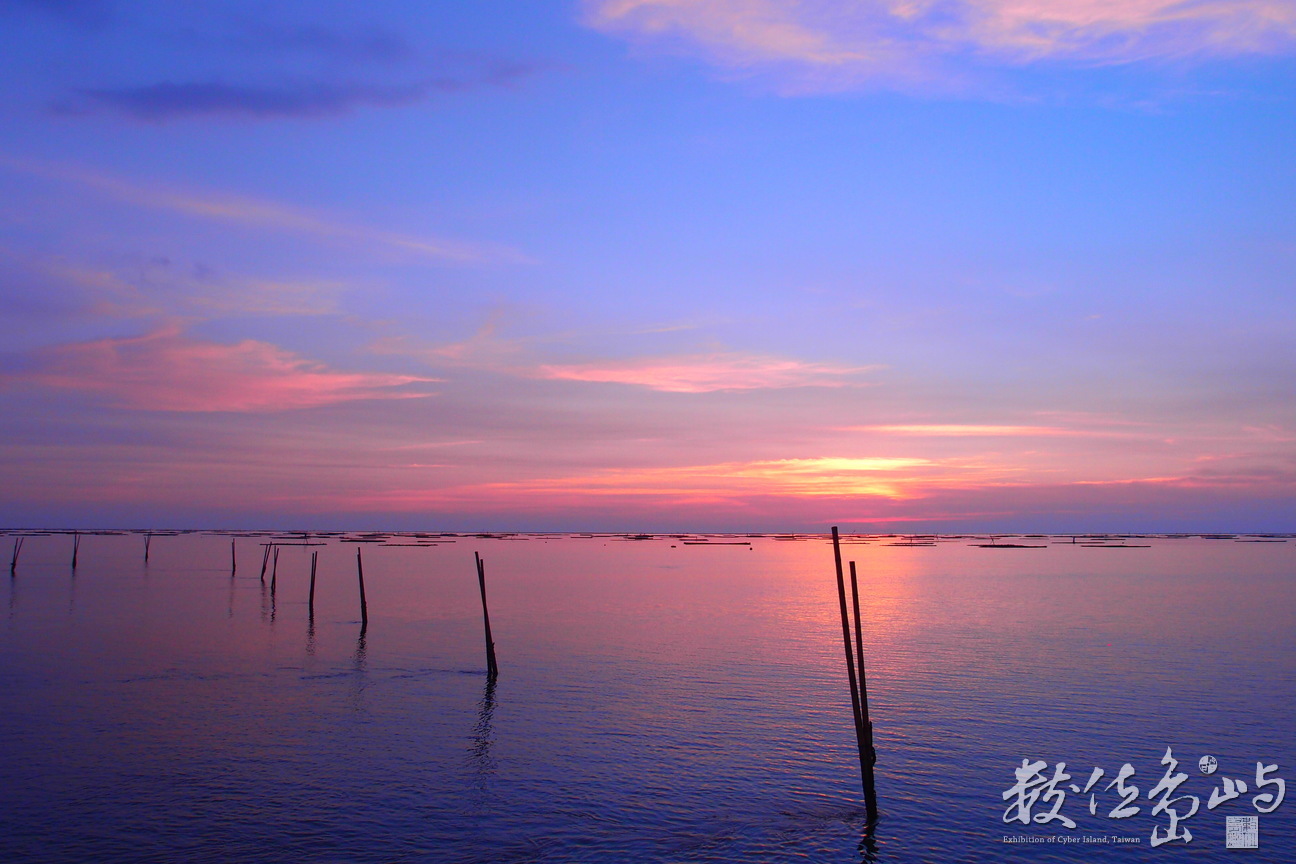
(148, 538)
(13, 564)
(850, 665)
(364, 607)
(274, 565)
(492, 668)
(76, 547)
(265, 561)
(870, 791)
(310, 602)
(274, 576)
(233, 559)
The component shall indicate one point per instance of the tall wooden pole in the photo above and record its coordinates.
(13, 564)
(148, 540)
(233, 559)
(310, 602)
(492, 668)
(76, 547)
(364, 607)
(265, 561)
(870, 790)
(850, 664)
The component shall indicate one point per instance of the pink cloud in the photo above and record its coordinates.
(828, 44)
(964, 430)
(704, 373)
(166, 371)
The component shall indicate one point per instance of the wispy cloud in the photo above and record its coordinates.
(1089, 428)
(265, 297)
(257, 213)
(488, 349)
(168, 100)
(827, 44)
(171, 101)
(156, 288)
(964, 430)
(485, 347)
(704, 373)
(166, 371)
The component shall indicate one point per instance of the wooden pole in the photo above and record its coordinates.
(850, 663)
(492, 667)
(265, 561)
(76, 547)
(310, 603)
(13, 564)
(364, 607)
(274, 575)
(870, 790)
(274, 565)
(148, 538)
(233, 559)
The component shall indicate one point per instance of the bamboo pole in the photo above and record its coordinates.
(310, 603)
(870, 789)
(364, 607)
(13, 564)
(492, 667)
(265, 561)
(850, 662)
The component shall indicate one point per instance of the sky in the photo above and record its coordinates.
(649, 265)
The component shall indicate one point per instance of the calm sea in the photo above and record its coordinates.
(658, 700)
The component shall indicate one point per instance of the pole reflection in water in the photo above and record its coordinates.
(868, 845)
(13, 575)
(483, 736)
(360, 668)
(310, 636)
(72, 584)
(274, 582)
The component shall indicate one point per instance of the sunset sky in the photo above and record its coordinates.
(749, 265)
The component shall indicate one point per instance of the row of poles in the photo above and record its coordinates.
(270, 561)
(850, 634)
(17, 550)
(76, 551)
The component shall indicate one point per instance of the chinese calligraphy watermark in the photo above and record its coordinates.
(1038, 797)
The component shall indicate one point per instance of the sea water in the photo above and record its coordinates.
(672, 699)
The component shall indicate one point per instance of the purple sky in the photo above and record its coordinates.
(649, 265)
